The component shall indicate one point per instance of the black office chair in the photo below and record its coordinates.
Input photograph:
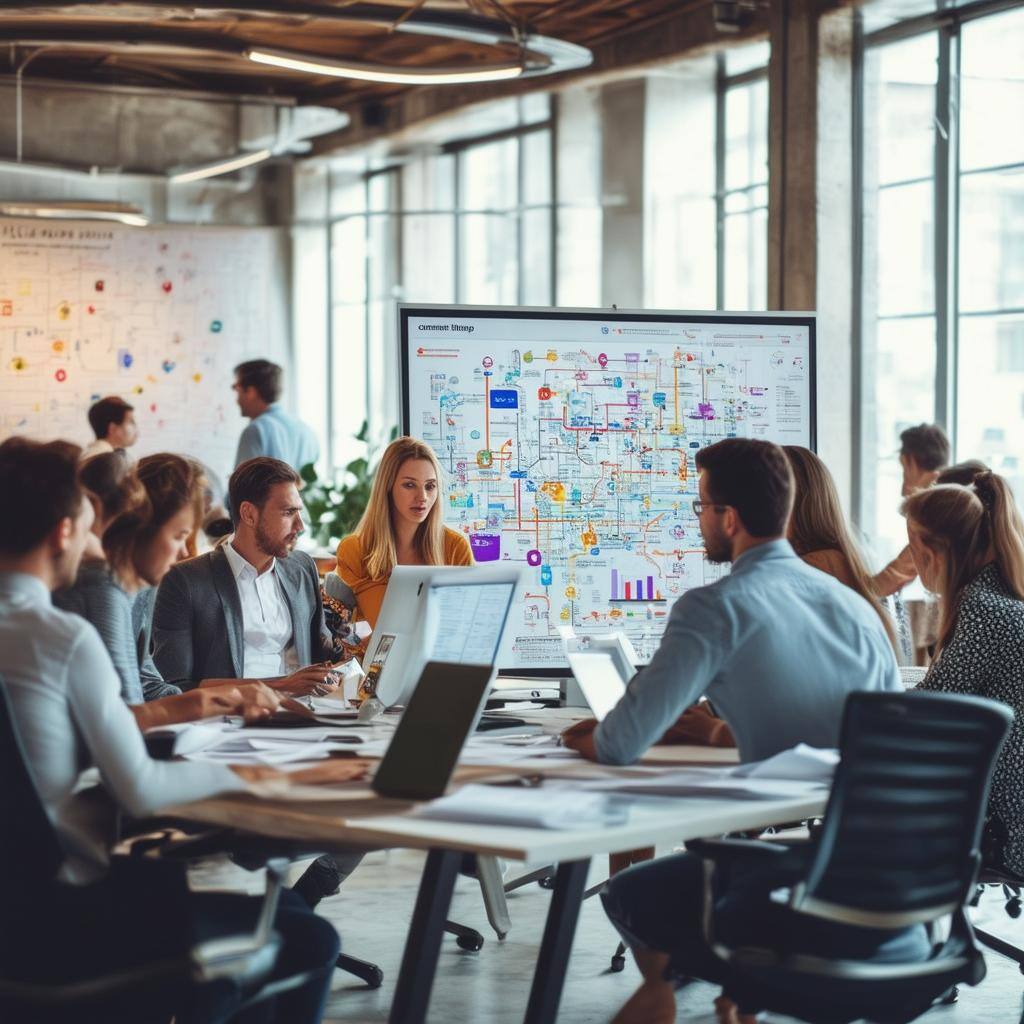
(148, 990)
(1011, 886)
(899, 847)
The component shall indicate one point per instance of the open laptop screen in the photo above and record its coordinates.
(465, 621)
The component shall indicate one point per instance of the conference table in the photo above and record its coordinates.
(333, 825)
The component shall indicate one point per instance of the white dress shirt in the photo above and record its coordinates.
(267, 622)
(98, 447)
(66, 701)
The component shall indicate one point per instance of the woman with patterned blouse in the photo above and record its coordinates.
(968, 546)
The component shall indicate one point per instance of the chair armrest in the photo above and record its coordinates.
(732, 851)
(784, 862)
(250, 851)
(136, 986)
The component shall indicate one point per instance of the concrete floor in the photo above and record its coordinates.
(373, 910)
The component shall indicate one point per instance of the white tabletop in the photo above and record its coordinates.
(651, 821)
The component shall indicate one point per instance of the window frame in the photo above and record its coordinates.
(724, 84)
(946, 175)
(456, 149)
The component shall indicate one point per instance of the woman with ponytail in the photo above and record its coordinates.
(968, 546)
(144, 516)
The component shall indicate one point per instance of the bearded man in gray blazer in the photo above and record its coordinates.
(252, 609)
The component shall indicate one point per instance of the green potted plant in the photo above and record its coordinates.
(335, 506)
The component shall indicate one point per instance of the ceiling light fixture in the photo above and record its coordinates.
(122, 213)
(211, 170)
(312, 65)
(535, 55)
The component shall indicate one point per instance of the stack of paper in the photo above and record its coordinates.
(802, 762)
(183, 738)
(278, 746)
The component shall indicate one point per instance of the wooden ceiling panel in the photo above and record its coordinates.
(209, 39)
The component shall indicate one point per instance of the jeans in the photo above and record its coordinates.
(324, 876)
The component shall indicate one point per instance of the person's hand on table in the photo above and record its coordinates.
(331, 771)
(318, 680)
(258, 703)
(253, 701)
(580, 737)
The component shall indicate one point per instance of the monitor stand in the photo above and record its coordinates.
(563, 691)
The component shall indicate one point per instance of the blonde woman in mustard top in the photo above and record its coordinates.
(403, 525)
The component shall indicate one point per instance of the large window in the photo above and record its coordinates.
(469, 212)
(990, 349)
(469, 223)
(706, 223)
(742, 190)
(943, 249)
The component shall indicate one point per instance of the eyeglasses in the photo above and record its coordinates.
(700, 507)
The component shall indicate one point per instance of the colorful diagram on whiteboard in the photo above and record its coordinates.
(570, 447)
(158, 316)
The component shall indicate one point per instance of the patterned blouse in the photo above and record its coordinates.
(985, 657)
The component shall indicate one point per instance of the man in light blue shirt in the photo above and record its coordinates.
(776, 646)
(272, 432)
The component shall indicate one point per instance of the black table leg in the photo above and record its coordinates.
(419, 962)
(563, 913)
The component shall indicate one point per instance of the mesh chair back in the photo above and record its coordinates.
(30, 851)
(902, 828)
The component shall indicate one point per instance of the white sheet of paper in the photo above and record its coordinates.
(803, 762)
(530, 808)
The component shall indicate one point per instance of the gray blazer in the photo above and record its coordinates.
(197, 620)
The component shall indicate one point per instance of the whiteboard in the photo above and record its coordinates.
(569, 438)
(159, 316)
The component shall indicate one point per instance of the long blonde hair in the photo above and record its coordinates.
(817, 523)
(376, 530)
(968, 527)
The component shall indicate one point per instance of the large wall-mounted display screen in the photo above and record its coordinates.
(568, 439)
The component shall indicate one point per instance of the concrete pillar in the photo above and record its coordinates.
(810, 205)
(622, 194)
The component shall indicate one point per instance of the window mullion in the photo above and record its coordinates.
(720, 129)
(945, 230)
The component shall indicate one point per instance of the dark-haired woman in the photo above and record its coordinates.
(968, 546)
(145, 515)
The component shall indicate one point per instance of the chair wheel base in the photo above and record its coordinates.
(618, 964)
(952, 996)
(470, 943)
(370, 974)
(502, 936)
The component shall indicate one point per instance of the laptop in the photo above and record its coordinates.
(600, 680)
(442, 711)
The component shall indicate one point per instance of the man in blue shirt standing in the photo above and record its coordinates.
(272, 432)
(777, 646)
